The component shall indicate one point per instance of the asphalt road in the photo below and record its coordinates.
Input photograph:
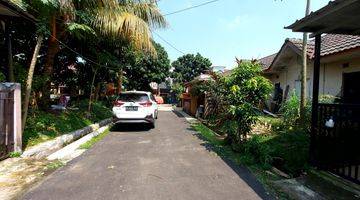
(132, 162)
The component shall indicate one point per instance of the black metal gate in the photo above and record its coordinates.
(336, 140)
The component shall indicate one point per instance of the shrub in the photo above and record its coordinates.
(256, 152)
(291, 112)
(246, 90)
(292, 148)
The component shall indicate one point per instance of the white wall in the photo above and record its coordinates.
(330, 84)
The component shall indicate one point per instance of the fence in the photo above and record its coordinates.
(336, 140)
(10, 118)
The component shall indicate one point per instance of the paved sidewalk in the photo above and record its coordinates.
(132, 162)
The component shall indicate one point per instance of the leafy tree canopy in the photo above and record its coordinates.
(145, 68)
(187, 67)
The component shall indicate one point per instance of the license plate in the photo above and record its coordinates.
(131, 108)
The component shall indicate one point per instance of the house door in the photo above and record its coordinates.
(351, 88)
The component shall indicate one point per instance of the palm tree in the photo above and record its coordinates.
(127, 20)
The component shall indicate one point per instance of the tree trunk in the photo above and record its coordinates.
(97, 91)
(53, 49)
(91, 90)
(29, 80)
(304, 70)
(120, 80)
(10, 77)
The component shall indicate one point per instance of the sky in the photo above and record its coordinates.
(224, 29)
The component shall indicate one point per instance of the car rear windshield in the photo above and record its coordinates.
(133, 97)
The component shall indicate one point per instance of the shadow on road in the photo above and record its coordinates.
(130, 128)
(242, 171)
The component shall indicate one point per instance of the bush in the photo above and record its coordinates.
(240, 95)
(292, 148)
(291, 112)
(256, 152)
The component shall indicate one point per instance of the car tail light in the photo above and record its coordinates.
(146, 104)
(118, 103)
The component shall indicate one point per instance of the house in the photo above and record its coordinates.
(335, 128)
(340, 65)
(192, 99)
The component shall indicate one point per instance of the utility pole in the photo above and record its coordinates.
(304, 69)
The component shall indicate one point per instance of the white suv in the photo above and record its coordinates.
(135, 107)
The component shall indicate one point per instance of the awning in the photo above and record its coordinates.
(339, 16)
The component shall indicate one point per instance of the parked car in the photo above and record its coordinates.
(135, 107)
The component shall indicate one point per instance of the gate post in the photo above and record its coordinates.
(12, 116)
(17, 118)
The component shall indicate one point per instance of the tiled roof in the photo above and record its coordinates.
(267, 61)
(330, 44)
(335, 43)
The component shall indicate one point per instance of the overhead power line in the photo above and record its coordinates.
(79, 54)
(171, 45)
(192, 7)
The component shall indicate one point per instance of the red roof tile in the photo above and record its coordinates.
(331, 44)
(267, 61)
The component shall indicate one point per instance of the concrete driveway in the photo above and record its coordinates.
(168, 162)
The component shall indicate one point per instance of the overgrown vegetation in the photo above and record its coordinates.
(255, 139)
(90, 143)
(290, 111)
(225, 151)
(42, 126)
(235, 98)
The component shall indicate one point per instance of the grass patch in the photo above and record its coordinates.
(42, 126)
(207, 133)
(14, 154)
(54, 165)
(289, 147)
(90, 143)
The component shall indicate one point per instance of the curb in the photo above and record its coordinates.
(67, 152)
(188, 118)
(46, 148)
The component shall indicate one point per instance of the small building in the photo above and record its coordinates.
(192, 99)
